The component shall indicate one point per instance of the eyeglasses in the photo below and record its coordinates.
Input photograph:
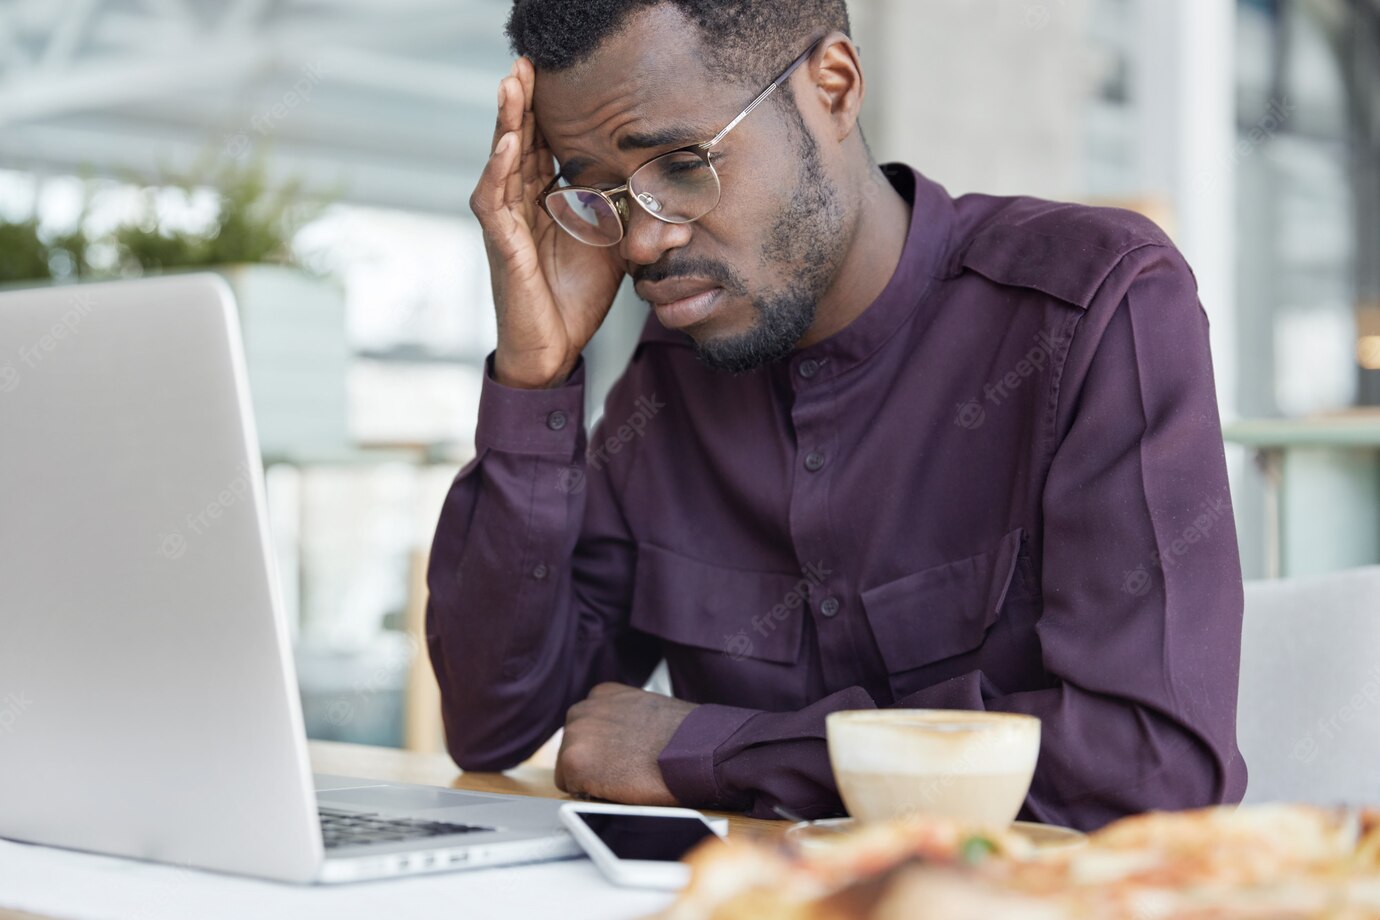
(677, 187)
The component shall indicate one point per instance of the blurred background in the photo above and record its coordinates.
(320, 154)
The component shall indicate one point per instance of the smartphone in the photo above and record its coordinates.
(640, 847)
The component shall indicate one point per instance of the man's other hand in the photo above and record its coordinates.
(612, 741)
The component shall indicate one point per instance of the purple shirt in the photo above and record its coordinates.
(1001, 487)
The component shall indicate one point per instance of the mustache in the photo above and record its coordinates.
(717, 272)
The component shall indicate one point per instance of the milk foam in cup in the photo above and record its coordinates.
(972, 766)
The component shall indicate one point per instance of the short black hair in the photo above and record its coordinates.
(748, 41)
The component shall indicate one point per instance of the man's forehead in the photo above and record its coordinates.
(636, 116)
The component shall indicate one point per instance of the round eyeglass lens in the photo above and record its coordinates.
(586, 216)
(677, 188)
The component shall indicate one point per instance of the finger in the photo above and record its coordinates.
(527, 78)
(607, 689)
(509, 103)
(558, 774)
(487, 202)
(538, 171)
(536, 166)
(535, 155)
(568, 776)
(498, 114)
(529, 147)
(509, 109)
(545, 159)
(517, 183)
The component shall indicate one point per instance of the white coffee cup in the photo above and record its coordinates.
(972, 766)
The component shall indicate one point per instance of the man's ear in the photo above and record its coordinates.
(838, 82)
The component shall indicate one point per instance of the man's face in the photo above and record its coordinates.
(744, 280)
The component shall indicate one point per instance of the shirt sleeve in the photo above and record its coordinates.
(1142, 596)
(530, 576)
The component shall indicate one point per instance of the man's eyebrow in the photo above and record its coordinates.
(678, 136)
(673, 137)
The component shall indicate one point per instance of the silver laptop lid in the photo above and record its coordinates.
(148, 703)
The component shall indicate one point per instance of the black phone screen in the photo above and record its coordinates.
(652, 837)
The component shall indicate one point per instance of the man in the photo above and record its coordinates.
(877, 447)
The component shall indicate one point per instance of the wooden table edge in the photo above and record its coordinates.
(400, 766)
(394, 765)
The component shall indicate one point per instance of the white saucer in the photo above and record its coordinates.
(1044, 837)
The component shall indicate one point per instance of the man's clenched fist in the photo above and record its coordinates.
(612, 741)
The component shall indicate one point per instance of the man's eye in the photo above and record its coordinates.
(683, 167)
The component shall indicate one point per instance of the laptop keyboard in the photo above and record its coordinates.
(352, 828)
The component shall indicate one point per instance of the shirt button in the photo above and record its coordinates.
(814, 462)
(556, 420)
(540, 571)
(829, 606)
(808, 368)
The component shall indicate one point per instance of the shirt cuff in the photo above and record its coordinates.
(687, 761)
(967, 691)
(547, 421)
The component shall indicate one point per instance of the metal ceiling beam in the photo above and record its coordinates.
(235, 54)
(131, 86)
(94, 87)
(460, 19)
(316, 128)
(13, 55)
(423, 79)
(67, 37)
(170, 9)
(244, 16)
(414, 183)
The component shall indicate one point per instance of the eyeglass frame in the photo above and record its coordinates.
(617, 198)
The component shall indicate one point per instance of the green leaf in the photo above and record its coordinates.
(977, 849)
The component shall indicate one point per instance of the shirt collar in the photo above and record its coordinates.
(926, 256)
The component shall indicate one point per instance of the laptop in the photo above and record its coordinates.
(148, 700)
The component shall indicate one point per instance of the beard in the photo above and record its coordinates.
(805, 241)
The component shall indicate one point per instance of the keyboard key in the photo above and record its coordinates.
(346, 828)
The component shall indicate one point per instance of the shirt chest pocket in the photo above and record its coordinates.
(927, 623)
(729, 635)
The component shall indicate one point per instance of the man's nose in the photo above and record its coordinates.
(646, 239)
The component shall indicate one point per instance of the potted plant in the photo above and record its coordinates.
(293, 321)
